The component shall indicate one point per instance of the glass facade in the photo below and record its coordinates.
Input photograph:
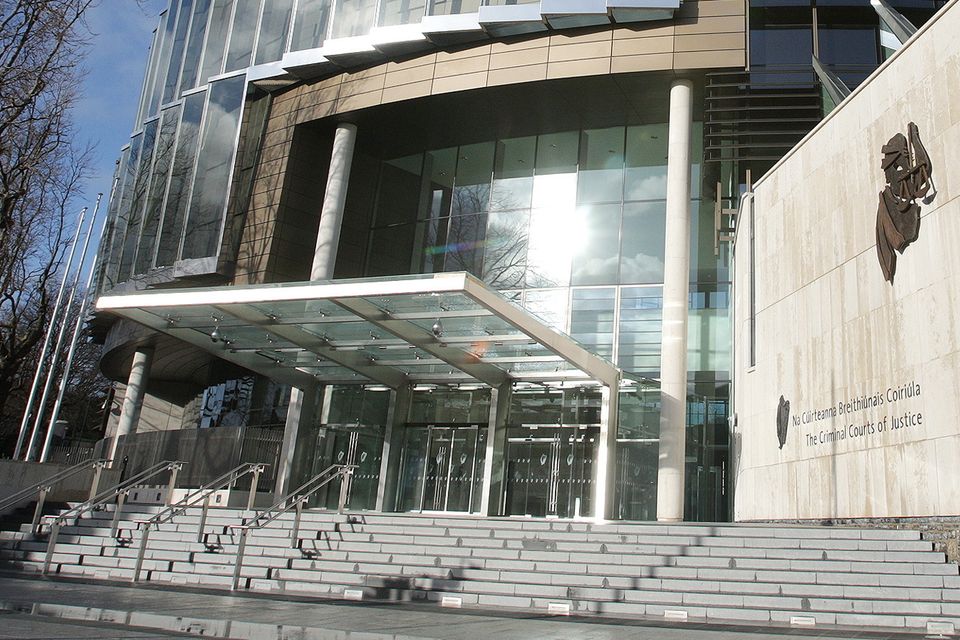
(570, 224)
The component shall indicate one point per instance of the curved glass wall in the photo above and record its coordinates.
(571, 224)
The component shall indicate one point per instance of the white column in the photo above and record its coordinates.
(302, 403)
(133, 396)
(603, 489)
(397, 416)
(493, 462)
(300, 412)
(676, 290)
(334, 200)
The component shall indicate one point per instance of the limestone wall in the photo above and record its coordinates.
(871, 369)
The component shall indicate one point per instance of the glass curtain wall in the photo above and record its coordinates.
(570, 225)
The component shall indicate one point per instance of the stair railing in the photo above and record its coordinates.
(293, 500)
(118, 492)
(42, 489)
(192, 498)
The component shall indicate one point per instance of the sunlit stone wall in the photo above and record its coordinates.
(871, 369)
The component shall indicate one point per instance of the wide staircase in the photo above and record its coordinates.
(713, 572)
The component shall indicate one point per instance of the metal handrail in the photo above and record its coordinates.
(119, 492)
(296, 500)
(43, 488)
(204, 492)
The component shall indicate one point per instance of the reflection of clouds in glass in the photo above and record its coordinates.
(601, 185)
(646, 183)
(597, 267)
(641, 267)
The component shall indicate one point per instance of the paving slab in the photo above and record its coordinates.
(35, 608)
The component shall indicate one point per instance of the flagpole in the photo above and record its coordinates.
(78, 327)
(55, 356)
(46, 341)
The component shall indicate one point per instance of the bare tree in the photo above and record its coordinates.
(42, 44)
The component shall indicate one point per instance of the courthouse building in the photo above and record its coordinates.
(484, 252)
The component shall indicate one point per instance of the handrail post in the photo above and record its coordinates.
(174, 470)
(239, 561)
(121, 500)
(253, 486)
(295, 533)
(97, 473)
(142, 552)
(345, 474)
(203, 517)
(51, 543)
(38, 511)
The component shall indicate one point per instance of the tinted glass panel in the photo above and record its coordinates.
(646, 160)
(216, 39)
(471, 190)
(642, 252)
(214, 165)
(137, 201)
(513, 173)
(505, 248)
(163, 59)
(310, 26)
(274, 26)
(596, 255)
(181, 177)
(641, 314)
(163, 160)
(394, 12)
(601, 165)
(353, 18)
(242, 35)
(176, 54)
(191, 57)
(591, 319)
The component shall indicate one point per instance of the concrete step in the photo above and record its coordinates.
(722, 571)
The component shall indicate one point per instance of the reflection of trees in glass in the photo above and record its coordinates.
(493, 245)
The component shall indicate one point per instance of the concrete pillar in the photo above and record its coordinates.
(303, 405)
(676, 291)
(133, 397)
(334, 199)
(392, 442)
(603, 489)
(303, 401)
(493, 462)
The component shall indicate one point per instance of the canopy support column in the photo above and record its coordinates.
(493, 462)
(603, 486)
(392, 441)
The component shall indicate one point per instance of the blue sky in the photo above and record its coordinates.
(103, 117)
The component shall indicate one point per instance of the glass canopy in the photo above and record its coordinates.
(435, 328)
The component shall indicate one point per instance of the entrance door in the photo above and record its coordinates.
(441, 468)
(550, 471)
(348, 444)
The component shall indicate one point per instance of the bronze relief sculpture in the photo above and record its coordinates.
(783, 420)
(908, 172)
